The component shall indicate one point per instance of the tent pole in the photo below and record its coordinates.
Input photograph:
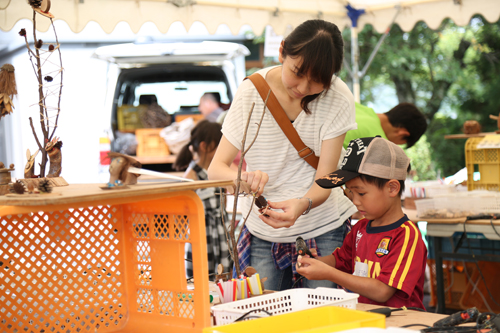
(375, 50)
(355, 65)
(354, 14)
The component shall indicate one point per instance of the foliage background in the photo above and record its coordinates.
(451, 74)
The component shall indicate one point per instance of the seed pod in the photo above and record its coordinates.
(18, 187)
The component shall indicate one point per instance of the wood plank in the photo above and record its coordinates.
(77, 193)
(402, 318)
(461, 220)
(166, 159)
(466, 136)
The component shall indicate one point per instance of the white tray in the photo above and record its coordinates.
(283, 302)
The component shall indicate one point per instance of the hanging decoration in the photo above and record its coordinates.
(45, 58)
(8, 89)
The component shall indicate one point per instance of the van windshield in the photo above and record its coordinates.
(180, 95)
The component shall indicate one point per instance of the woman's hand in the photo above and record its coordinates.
(283, 214)
(254, 182)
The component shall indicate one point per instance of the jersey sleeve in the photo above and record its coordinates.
(402, 268)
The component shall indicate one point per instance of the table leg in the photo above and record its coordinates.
(438, 255)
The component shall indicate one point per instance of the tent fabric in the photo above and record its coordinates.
(280, 14)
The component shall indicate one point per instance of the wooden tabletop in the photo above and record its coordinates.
(408, 317)
(75, 193)
(461, 220)
(466, 136)
(166, 159)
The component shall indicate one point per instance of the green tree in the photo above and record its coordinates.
(450, 73)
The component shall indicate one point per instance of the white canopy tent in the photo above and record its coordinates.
(256, 13)
(279, 14)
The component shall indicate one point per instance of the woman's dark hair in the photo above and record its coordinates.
(205, 131)
(320, 45)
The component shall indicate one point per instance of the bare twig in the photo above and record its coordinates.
(61, 81)
(231, 239)
(258, 125)
(34, 134)
(44, 110)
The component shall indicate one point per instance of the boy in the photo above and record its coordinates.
(383, 258)
(403, 124)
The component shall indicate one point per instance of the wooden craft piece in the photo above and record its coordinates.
(249, 271)
(53, 149)
(55, 181)
(118, 171)
(221, 275)
(44, 9)
(8, 89)
(29, 169)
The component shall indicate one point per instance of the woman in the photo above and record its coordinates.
(321, 108)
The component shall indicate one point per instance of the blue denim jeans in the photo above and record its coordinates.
(261, 259)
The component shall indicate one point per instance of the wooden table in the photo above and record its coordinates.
(83, 259)
(438, 229)
(408, 317)
(165, 159)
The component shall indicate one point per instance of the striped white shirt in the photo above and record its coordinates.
(290, 176)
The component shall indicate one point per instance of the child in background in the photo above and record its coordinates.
(383, 258)
(196, 156)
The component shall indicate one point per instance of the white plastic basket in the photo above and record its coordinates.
(283, 302)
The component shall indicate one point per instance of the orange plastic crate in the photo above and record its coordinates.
(150, 143)
(108, 265)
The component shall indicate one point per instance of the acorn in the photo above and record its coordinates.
(31, 187)
(22, 32)
(35, 3)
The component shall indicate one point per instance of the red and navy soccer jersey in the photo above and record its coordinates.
(395, 254)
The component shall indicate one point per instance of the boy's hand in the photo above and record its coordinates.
(313, 269)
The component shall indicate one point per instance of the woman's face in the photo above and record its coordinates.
(298, 85)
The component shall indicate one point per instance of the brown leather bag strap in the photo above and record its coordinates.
(282, 119)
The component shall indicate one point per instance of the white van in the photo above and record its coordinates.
(177, 74)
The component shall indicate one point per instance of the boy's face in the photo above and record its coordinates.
(371, 201)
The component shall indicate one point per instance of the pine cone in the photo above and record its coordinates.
(44, 186)
(18, 187)
(35, 3)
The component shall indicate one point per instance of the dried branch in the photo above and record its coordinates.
(231, 239)
(60, 85)
(39, 77)
(34, 134)
(44, 97)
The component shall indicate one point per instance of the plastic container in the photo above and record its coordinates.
(323, 319)
(284, 302)
(150, 143)
(114, 263)
(486, 161)
(129, 117)
(447, 207)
